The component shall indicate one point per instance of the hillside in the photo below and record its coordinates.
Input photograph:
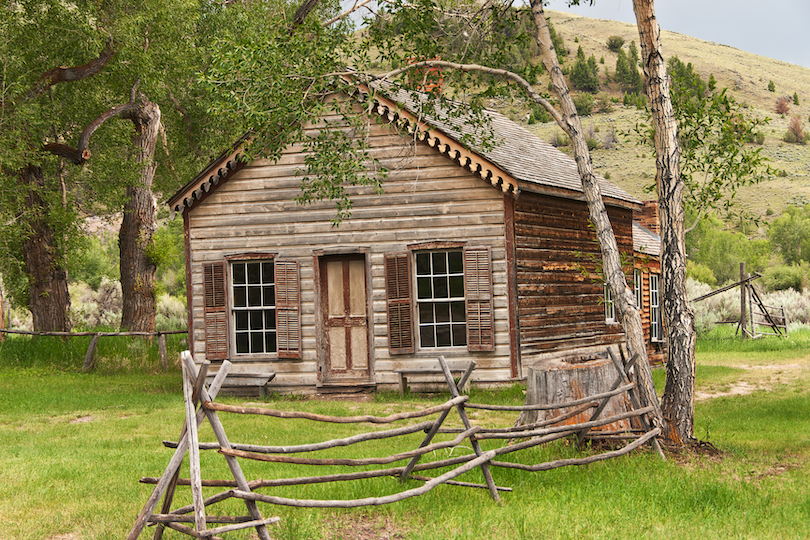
(745, 75)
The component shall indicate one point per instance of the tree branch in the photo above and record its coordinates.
(62, 74)
(509, 75)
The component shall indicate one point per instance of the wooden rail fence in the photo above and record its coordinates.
(193, 519)
(89, 357)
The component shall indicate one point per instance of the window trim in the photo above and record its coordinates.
(656, 320)
(638, 287)
(433, 301)
(610, 306)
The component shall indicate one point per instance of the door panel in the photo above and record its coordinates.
(345, 317)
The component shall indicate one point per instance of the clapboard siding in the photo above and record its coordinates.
(560, 297)
(427, 197)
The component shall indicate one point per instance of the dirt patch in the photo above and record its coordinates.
(83, 419)
(69, 536)
(766, 377)
(365, 528)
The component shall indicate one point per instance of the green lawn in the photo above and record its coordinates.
(73, 447)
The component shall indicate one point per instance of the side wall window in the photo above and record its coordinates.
(610, 308)
(656, 333)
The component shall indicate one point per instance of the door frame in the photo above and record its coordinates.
(318, 257)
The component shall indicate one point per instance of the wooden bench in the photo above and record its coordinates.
(244, 383)
(404, 374)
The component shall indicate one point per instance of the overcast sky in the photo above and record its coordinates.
(776, 28)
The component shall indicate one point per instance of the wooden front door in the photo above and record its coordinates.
(344, 307)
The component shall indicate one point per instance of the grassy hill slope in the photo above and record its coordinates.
(745, 75)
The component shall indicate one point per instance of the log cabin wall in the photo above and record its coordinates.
(647, 266)
(427, 198)
(560, 308)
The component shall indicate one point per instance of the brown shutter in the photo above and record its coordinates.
(398, 299)
(216, 315)
(288, 309)
(478, 292)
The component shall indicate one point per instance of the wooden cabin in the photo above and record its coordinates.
(647, 282)
(473, 254)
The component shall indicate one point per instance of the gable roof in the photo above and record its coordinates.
(516, 160)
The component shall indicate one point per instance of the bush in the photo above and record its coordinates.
(584, 104)
(771, 86)
(783, 277)
(700, 272)
(585, 73)
(539, 114)
(796, 98)
(783, 105)
(795, 133)
(615, 43)
(559, 139)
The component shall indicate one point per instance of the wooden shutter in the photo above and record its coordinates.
(398, 300)
(478, 292)
(288, 309)
(216, 315)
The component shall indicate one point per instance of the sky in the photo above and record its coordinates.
(777, 29)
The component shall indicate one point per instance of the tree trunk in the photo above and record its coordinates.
(678, 402)
(623, 296)
(138, 227)
(48, 297)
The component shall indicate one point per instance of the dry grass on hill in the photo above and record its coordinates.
(745, 75)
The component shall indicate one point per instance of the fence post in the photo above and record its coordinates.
(91, 351)
(164, 359)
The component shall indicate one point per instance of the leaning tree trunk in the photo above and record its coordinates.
(678, 402)
(48, 296)
(139, 225)
(624, 298)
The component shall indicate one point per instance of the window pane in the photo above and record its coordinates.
(257, 342)
(267, 273)
(426, 313)
(242, 343)
(422, 264)
(269, 319)
(440, 287)
(443, 335)
(458, 311)
(269, 296)
(423, 288)
(443, 313)
(439, 263)
(253, 273)
(456, 262)
(256, 320)
(457, 287)
(238, 273)
(240, 297)
(459, 335)
(254, 296)
(241, 320)
(426, 336)
(270, 342)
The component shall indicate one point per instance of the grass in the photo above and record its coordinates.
(74, 446)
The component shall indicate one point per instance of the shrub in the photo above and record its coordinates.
(584, 104)
(615, 43)
(585, 73)
(783, 105)
(771, 86)
(539, 114)
(700, 272)
(721, 307)
(796, 98)
(782, 277)
(795, 132)
(559, 139)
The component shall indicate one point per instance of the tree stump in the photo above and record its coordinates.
(568, 378)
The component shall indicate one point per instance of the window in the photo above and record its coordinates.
(440, 299)
(262, 315)
(655, 308)
(610, 308)
(254, 306)
(452, 304)
(638, 287)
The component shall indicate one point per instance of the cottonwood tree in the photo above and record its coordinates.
(678, 401)
(126, 60)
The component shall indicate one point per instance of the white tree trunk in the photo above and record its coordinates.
(678, 402)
